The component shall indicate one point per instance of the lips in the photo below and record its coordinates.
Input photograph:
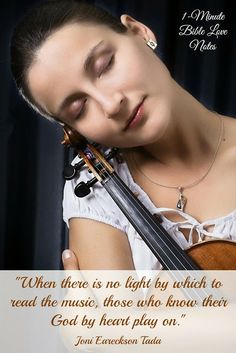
(136, 116)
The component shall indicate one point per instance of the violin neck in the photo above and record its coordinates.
(166, 250)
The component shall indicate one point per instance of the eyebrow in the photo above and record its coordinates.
(87, 64)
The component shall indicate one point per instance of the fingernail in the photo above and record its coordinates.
(66, 254)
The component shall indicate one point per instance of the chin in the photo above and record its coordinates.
(156, 128)
(151, 135)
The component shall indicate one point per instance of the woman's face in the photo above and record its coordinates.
(110, 87)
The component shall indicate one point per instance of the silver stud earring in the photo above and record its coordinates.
(152, 44)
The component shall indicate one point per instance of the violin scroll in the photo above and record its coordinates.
(96, 162)
(73, 139)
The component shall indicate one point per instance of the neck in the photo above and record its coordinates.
(192, 135)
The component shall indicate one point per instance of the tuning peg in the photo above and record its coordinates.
(70, 171)
(83, 189)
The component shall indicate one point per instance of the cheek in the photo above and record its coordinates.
(140, 58)
(94, 128)
(146, 73)
(129, 71)
(132, 73)
(100, 132)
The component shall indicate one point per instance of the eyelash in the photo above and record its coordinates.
(82, 111)
(107, 67)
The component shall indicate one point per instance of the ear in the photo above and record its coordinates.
(137, 28)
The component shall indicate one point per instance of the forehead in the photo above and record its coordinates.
(73, 36)
(61, 54)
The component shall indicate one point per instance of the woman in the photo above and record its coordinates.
(79, 66)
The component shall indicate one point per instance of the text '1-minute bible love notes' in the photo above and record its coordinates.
(203, 29)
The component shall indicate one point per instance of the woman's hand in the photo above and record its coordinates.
(70, 261)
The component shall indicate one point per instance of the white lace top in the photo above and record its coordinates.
(99, 206)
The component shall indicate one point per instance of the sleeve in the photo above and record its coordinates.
(98, 205)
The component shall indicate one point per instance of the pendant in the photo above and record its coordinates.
(181, 201)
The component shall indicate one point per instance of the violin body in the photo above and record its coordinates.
(214, 254)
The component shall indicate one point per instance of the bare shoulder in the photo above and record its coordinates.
(230, 128)
(229, 138)
(99, 246)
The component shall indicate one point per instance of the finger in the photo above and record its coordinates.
(69, 260)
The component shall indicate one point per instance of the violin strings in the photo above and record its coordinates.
(118, 184)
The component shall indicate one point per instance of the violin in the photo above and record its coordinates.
(207, 255)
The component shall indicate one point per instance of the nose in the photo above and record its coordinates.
(111, 103)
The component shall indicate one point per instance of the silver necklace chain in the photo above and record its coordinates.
(182, 200)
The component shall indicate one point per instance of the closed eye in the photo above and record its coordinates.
(76, 108)
(106, 66)
(82, 110)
